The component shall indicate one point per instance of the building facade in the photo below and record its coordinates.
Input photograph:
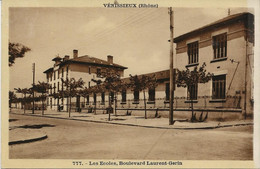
(85, 67)
(225, 46)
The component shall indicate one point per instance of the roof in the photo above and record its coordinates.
(48, 70)
(227, 20)
(89, 61)
(56, 58)
(95, 61)
(160, 75)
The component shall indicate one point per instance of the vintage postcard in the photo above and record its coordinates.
(130, 84)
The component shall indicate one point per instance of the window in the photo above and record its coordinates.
(87, 99)
(98, 72)
(51, 89)
(220, 46)
(136, 96)
(89, 71)
(95, 98)
(151, 94)
(103, 97)
(50, 76)
(62, 86)
(123, 96)
(193, 52)
(62, 72)
(51, 102)
(89, 84)
(58, 86)
(192, 92)
(54, 88)
(219, 87)
(67, 74)
(167, 91)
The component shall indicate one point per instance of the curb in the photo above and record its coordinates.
(28, 140)
(136, 125)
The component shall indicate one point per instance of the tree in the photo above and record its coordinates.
(12, 98)
(141, 83)
(186, 78)
(72, 87)
(24, 91)
(95, 90)
(16, 50)
(42, 88)
(112, 82)
(84, 93)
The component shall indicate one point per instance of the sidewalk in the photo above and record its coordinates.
(138, 121)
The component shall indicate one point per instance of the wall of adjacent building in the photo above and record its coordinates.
(236, 50)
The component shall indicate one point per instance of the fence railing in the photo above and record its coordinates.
(202, 102)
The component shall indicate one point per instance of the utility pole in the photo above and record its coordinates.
(172, 76)
(246, 65)
(33, 69)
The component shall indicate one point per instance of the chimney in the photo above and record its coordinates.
(66, 57)
(75, 53)
(110, 59)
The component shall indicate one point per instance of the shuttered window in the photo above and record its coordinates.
(219, 87)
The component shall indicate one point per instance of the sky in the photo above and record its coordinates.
(137, 38)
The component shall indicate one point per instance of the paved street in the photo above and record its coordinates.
(69, 139)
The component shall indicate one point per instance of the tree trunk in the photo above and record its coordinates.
(192, 113)
(67, 104)
(109, 109)
(115, 103)
(24, 104)
(95, 108)
(70, 106)
(145, 115)
(42, 106)
(84, 101)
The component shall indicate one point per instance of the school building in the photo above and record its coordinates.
(226, 47)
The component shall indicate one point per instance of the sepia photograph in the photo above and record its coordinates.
(130, 85)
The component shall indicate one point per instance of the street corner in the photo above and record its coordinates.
(21, 135)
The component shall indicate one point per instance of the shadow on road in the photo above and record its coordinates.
(80, 116)
(11, 120)
(36, 126)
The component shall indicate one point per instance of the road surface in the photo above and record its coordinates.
(69, 139)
